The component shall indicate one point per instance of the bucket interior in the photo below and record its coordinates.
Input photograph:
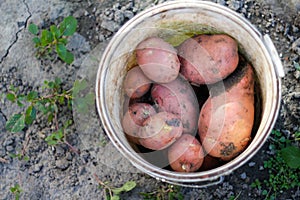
(174, 23)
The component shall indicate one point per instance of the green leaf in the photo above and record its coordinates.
(50, 141)
(58, 81)
(12, 88)
(55, 32)
(36, 41)
(54, 108)
(128, 186)
(59, 134)
(30, 115)
(115, 197)
(32, 95)
(46, 38)
(68, 26)
(16, 123)
(264, 192)
(41, 107)
(125, 188)
(26, 158)
(50, 117)
(33, 29)
(11, 97)
(64, 54)
(79, 86)
(55, 137)
(63, 41)
(296, 65)
(12, 155)
(291, 155)
(51, 85)
(20, 104)
(68, 123)
(82, 103)
(61, 100)
(69, 58)
(61, 50)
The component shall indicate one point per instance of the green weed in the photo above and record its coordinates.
(113, 193)
(165, 192)
(283, 168)
(16, 190)
(48, 105)
(55, 39)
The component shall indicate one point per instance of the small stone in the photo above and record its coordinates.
(296, 95)
(69, 156)
(245, 186)
(78, 42)
(62, 164)
(297, 74)
(8, 142)
(116, 6)
(2, 153)
(37, 168)
(110, 25)
(59, 151)
(9, 148)
(296, 46)
(295, 29)
(101, 38)
(79, 13)
(128, 14)
(129, 6)
(251, 164)
(243, 176)
(222, 2)
(119, 17)
(234, 4)
(2, 122)
(261, 168)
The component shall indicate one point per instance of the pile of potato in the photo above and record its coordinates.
(164, 113)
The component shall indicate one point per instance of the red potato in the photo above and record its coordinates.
(206, 59)
(179, 98)
(227, 117)
(186, 154)
(160, 131)
(210, 162)
(136, 84)
(158, 60)
(134, 118)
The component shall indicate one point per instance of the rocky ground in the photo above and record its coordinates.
(56, 172)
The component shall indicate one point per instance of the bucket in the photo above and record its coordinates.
(181, 18)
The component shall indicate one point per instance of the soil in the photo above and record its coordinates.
(57, 172)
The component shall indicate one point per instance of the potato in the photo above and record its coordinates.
(206, 59)
(136, 84)
(186, 154)
(160, 131)
(227, 117)
(134, 118)
(210, 162)
(179, 98)
(158, 60)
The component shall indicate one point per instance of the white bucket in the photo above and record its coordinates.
(166, 20)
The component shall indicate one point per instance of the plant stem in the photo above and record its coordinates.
(56, 122)
(3, 160)
(103, 185)
(25, 145)
(72, 147)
